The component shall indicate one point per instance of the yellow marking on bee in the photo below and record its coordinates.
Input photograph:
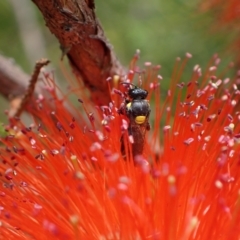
(140, 119)
(129, 105)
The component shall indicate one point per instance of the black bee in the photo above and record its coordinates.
(137, 109)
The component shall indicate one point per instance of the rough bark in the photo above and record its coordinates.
(82, 40)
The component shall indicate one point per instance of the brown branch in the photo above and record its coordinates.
(13, 79)
(82, 39)
(14, 83)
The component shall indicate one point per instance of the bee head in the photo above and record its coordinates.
(137, 93)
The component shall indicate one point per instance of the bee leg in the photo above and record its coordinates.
(121, 109)
(130, 131)
(148, 127)
(122, 147)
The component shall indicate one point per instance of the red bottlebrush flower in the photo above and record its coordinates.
(64, 177)
(226, 19)
(228, 10)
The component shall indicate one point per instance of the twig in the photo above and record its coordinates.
(30, 90)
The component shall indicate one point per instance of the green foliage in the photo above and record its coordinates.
(10, 43)
(162, 30)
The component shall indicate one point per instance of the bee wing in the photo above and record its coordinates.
(138, 132)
